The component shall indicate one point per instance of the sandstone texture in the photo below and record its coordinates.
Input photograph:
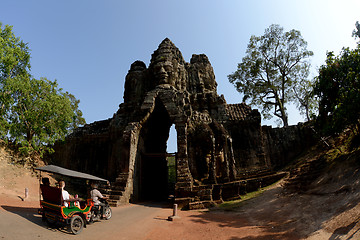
(222, 149)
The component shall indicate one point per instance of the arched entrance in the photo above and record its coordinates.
(152, 167)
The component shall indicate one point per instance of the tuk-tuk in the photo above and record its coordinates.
(77, 213)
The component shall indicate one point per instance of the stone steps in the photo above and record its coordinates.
(254, 173)
(115, 192)
(114, 203)
(302, 177)
(206, 196)
(201, 205)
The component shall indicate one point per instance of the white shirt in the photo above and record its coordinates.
(95, 195)
(65, 196)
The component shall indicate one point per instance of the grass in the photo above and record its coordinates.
(233, 206)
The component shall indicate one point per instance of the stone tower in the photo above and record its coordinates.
(217, 143)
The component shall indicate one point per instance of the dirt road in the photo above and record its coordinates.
(129, 222)
(270, 216)
(330, 211)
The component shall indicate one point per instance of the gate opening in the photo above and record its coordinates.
(156, 169)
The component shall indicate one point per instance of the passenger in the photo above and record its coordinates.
(65, 194)
(45, 181)
(77, 203)
(95, 196)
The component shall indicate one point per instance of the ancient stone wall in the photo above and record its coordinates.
(217, 143)
(284, 144)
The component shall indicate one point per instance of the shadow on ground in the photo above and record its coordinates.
(29, 213)
(32, 215)
(286, 217)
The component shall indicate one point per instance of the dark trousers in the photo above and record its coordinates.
(102, 207)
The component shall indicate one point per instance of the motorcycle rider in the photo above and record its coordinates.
(96, 196)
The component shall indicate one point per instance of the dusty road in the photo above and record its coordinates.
(129, 222)
(270, 216)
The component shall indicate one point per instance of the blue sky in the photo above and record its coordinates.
(88, 46)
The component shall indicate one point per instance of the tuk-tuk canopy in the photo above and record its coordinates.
(69, 173)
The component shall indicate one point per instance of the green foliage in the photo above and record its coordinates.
(14, 54)
(14, 63)
(33, 113)
(338, 89)
(306, 101)
(356, 32)
(269, 73)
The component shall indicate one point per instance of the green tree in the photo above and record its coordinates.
(305, 99)
(274, 63)
(356, 32)
(338, 89)
(34, 113)
(14, 62)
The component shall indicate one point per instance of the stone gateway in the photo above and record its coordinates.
(222, 149)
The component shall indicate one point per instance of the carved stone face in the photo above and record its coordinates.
(164, 72)
(167, 66)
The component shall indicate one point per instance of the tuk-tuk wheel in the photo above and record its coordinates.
(76, 224)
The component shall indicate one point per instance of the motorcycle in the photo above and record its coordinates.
(78, 213)
(96, 214)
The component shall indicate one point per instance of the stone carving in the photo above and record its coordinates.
(167, 66)
(201, 74)
(134, 84)
(217, 143)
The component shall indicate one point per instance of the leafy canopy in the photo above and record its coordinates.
(269, 74)
(338, 89)
(14, 62)
(356, 32)
(33, 112)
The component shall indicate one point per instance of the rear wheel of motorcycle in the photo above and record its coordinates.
(108, 213)
(89, 218)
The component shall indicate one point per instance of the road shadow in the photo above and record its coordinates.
(31, 214)
(254, 213)
(345, 230)
(279, 216)
(153, 204)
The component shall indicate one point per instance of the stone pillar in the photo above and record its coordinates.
(225, 164)
(212, 163)
(232, 167)
(131, 137)
(183, 175)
